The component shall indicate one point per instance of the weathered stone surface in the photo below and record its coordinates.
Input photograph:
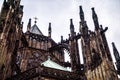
(21, 54)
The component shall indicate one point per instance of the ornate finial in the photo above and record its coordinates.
(49, 27)
(95, 18)
(49, 30)
(71, 21)
(81, 13)
(61, 38)
(35, 19)
(29, 25)
(71, 26)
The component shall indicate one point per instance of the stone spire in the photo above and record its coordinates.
(95, 19)
(74, 51)
(49, 30)
(81, 13)
(71, 27)
(29, 26)
(61, 38)
(83, 24)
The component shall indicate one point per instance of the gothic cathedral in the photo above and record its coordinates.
(31, 55)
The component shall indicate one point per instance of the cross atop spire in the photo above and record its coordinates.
(35, 19)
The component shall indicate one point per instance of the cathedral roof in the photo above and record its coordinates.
(35, 29)
(49, 63)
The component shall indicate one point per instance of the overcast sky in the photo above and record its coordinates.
(58, 12)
